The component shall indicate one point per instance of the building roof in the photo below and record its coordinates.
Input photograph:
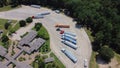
(23, 65)
(3, 51)
(35, 45)
(2, 65)
(28, 38)
(47, 60)
(38, 43)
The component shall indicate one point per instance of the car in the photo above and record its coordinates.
(85, 63)
(62, 31)
(58, 29)
(57, 11)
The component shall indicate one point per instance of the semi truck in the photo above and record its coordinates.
(62, 26)
(44, 13)
(70, 33)
(69, 39)
(36, 6)
(69, 55)
(37, 16)
(72, 37)
(70, 44)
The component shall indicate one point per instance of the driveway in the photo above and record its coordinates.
(84, 46)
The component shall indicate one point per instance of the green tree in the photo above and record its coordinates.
(22, 23)
(29, 20)
(7, 25)
(4, 38)
(38, 26)
(106, 53)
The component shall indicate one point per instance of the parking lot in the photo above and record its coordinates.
(84, 47)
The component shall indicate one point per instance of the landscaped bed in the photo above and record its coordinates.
(43, 33)
(6, 8)
(12, 28)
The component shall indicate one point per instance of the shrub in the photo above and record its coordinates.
(38, 26)
(7, 25)
(4, 38)
(22, 23)
(29, 20)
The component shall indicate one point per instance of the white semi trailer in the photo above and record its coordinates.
(69, 55)
(70, 44)
(67, 35)
(70, 33)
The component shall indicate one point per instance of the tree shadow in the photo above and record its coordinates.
(79, 26)
(99, 60)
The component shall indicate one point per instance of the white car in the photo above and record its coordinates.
(85, 63)
(57, 11)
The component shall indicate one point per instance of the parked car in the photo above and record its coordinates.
(57, 11)
(85, 63)
(61, 32)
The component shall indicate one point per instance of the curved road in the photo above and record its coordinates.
(84, 46)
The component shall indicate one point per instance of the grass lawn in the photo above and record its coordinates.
(36, 65)
(5, 31)
(118, 58)
(16, 27)
(2, 23)
(57, 61)
(92, 63)
(89, 34)
(46, 46)
(6, 8)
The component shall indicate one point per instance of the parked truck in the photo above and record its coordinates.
(37, 16)
(62, 26)
(72, 37)
(69, 39)
(70, 44)
(44, 13)
(36, 6)
(70, 33)
(69, 55)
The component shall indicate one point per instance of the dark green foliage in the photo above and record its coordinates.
(3, 3)
(29, 20)
(106, 53)
(22, 23)
(4, 38)
(43, 35)
(38, 26)
(39, 61)
(7, 25)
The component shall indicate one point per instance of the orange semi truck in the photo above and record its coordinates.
(62, 26)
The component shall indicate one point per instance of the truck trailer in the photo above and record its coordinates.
(70, 33)
(72, 37)
(69, 39)
(69, 55)
(36, 6)
(70, 44)
(37, 16)
(62, 26)
(44, 13)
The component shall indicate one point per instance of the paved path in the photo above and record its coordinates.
(83, 43)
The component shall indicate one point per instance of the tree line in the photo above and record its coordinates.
(102, 17)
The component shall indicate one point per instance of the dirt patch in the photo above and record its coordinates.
(112, 64)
